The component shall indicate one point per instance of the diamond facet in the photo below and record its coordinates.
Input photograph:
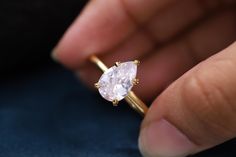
(117, 81)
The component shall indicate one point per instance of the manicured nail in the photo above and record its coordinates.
(162, 139)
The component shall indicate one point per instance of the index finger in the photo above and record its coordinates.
(102, 26)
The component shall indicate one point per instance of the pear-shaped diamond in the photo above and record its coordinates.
(117, 81)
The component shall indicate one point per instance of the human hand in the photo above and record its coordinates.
(195, 104)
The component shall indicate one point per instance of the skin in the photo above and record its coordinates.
(187, 71)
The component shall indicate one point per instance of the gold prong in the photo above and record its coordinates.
(115, 102)
(137, 62)
(96, 85)
(117, 64)
(135, 81)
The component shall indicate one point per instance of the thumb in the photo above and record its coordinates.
(197, 112)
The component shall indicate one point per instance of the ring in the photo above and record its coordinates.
(117, 81)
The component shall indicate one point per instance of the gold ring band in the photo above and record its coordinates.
(133, 101)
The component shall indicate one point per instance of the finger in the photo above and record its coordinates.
(167, 64)
(183, 16)
(102, 26)
(142, 42)
(174, 20)
(170, 21)
(197, 112)
(137, 46)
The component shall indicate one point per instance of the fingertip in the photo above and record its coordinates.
(162, 139)
(54, 55)
(102, 26)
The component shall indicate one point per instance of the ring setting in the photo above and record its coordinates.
(116, 82)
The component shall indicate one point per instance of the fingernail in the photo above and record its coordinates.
(54, 55)
(162, 139)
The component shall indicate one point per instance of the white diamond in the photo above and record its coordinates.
(117, 81)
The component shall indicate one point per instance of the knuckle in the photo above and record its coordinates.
(198, 93)
(210, 104)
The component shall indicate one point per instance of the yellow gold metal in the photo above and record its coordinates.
(135, 81)
(99, 63)
(96, 85)
(137, 104)
(115, 102)
(133, 101)
(137, 62)
(117, 64)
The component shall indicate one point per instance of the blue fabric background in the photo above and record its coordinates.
(48, 113)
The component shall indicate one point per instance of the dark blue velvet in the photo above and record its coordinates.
(48, 113)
